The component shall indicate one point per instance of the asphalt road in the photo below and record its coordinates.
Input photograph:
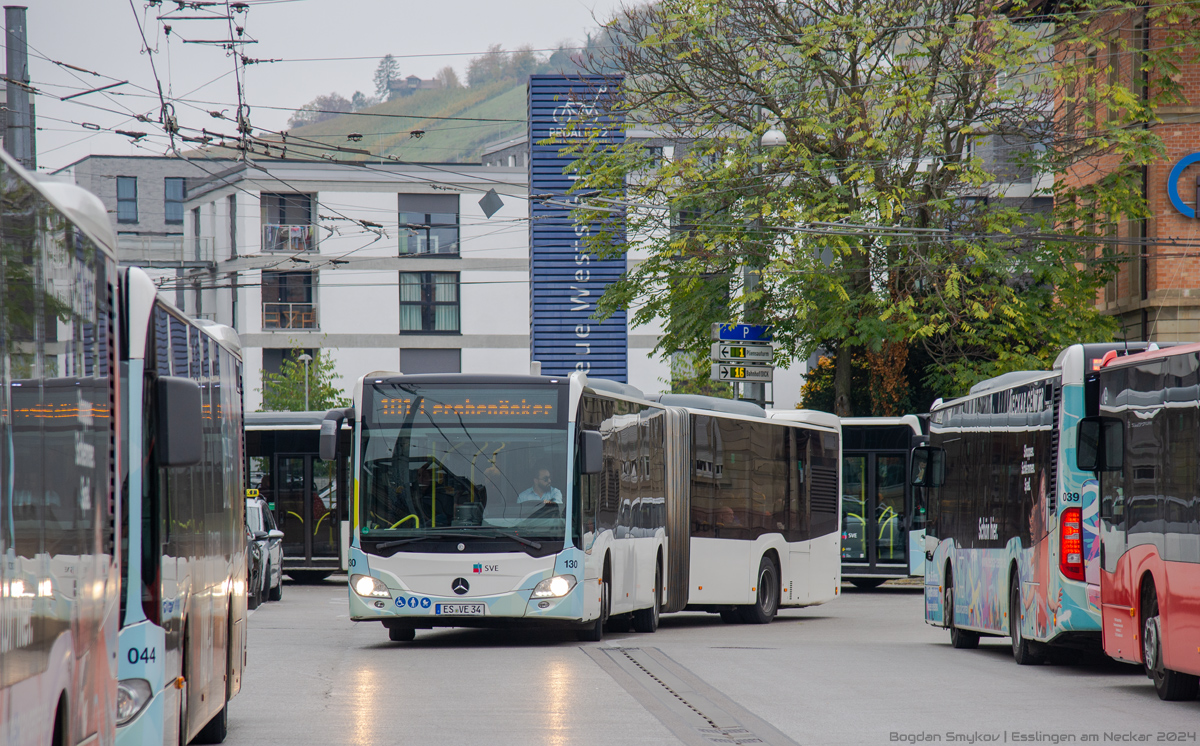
(864, 669)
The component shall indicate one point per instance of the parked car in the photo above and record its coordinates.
(260, 523)
(254, 570)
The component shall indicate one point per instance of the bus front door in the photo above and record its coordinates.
(874, 514)
(307, 512)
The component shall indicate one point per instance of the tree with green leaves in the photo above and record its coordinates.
(881, 220)
(284, 391)
(387, 71)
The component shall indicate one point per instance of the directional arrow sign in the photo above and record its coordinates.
(741, 332)
(723, 352)
(743, 373)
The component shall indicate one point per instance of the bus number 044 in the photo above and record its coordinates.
(145, 655)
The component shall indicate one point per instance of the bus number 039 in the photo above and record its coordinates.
(145, 655)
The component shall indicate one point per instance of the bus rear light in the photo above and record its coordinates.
(1070, 546)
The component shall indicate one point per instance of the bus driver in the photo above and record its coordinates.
(541, 490)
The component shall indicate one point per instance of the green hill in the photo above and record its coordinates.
(447, 126)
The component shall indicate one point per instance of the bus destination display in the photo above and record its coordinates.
(397, 405)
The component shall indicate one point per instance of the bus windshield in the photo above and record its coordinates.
(441, 462)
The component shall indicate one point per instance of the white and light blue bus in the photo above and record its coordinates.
(1011, 540)
(576, 502)
(59, 496)
(183, 594)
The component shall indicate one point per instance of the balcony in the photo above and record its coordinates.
(289, 316)
(289, 238)
(165, 251)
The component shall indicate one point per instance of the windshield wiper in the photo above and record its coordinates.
(521, 539)
(459, 534)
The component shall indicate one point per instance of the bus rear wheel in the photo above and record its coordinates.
(1172, 686)
(308, 576)
(1025, 652)
(766, 602)
(960, 639)
(867, 584)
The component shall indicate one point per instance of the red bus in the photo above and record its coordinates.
(1142, 439)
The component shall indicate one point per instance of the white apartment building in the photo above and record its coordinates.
(385, 266)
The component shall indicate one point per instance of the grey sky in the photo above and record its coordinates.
(102, 36)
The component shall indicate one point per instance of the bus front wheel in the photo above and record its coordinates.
(595, 631)
(646, 620)
(402, 634)
(1172, 686)
(960, 639)
(217, 728)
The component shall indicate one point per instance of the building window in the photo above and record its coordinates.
(429, 224)
(173, 200)
(273, 358)
(287, 222)
(287, 301)
(127, 208)
(415, 360)
(429, 302)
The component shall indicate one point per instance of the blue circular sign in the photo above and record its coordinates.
(412, 602)
(424, 603)
(1173, 185)
(400, 602)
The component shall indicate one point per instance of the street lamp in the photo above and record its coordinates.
(306, 359)
(773, 138)
(757, 392)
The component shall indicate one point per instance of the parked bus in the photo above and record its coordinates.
(59, 571)
(1011, 527)
(183, 591)
(1142, 440)
(496, 500)
(307, 495)
(883, 516)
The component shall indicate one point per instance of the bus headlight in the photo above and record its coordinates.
(555, 587)
(132, 696)
(365, 585)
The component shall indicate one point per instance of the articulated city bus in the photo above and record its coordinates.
(1143, 441)
(183, 557)
(306, 494)
(883, 516)
(59, 571)
(497, 500)
(1010, 540)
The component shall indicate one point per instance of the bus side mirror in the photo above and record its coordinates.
(928, 466)
(1100, 444)
(180, 422)
(329, 432)
(591, 452)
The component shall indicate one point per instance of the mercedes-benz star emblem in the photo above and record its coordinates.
(460, 586)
